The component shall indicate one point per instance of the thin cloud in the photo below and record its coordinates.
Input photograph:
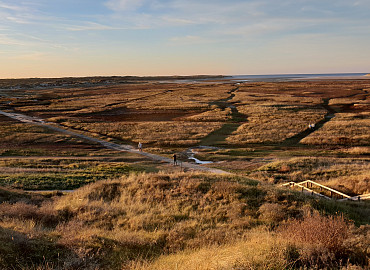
(186, 40)
(12, 7)
(93, 26)
(120, 5)
(6, 40)
(32, 56)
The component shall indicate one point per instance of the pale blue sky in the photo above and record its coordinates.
(53, 38)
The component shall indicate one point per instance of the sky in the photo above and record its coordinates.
(59, 38)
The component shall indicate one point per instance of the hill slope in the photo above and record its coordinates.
(155, 221)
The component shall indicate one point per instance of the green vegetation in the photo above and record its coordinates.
(60, 174)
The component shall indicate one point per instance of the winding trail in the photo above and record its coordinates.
(118, 147)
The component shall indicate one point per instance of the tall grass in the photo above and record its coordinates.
(158, 221)
(350, 129)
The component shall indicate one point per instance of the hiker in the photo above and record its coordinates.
(309, 126)
(174, 159)
(313, 126)
(140, 146)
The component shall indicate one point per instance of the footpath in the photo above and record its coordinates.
(110, 145)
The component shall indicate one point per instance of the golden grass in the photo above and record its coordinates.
(312, 242)
(263, 99)
(357, 184)
(170, 133)
(359, 150)
(215, 115)
(158, 221)
(27, 139)
(340, 101)
(186, 97)
(275, 110)
(349, 175)
(261, 250)
(343, 129)
(274, 123)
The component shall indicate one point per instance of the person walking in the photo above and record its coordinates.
(174, 159)
(140, 146)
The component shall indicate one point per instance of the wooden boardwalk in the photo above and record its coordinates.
(312, 188)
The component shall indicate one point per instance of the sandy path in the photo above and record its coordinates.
(119, 147)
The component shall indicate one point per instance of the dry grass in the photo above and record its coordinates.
(184, 97)
(261, 250)
(215, 115)
(313, 242)
(26, 139)
(244, 97)
(155, 221)
(343, 129)
(352, 184)
(170, 133)
(318, 241)
(142, 96)
(64, 173)
(274, 123)
(275, 110)
(349, 175)
(364, 150)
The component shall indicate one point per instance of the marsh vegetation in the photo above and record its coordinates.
(130, 212)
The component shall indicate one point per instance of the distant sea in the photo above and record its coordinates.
(284, 77)
(269, 78)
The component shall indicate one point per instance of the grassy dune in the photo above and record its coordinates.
(194, 221)
(349, 175)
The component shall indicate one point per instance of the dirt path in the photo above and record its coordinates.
(126, 148)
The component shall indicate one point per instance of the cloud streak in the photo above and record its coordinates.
(124, 5)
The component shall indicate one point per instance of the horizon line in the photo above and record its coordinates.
(194, 75)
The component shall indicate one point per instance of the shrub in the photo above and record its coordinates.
(272, 212)
(319, 240)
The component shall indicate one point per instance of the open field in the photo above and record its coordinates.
(343, 129)
(22, 139)
(274, 123)
(138, 212)
(255, 112)
(252, 123)
(64, 173)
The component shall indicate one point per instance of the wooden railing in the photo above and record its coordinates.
(308, 186)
